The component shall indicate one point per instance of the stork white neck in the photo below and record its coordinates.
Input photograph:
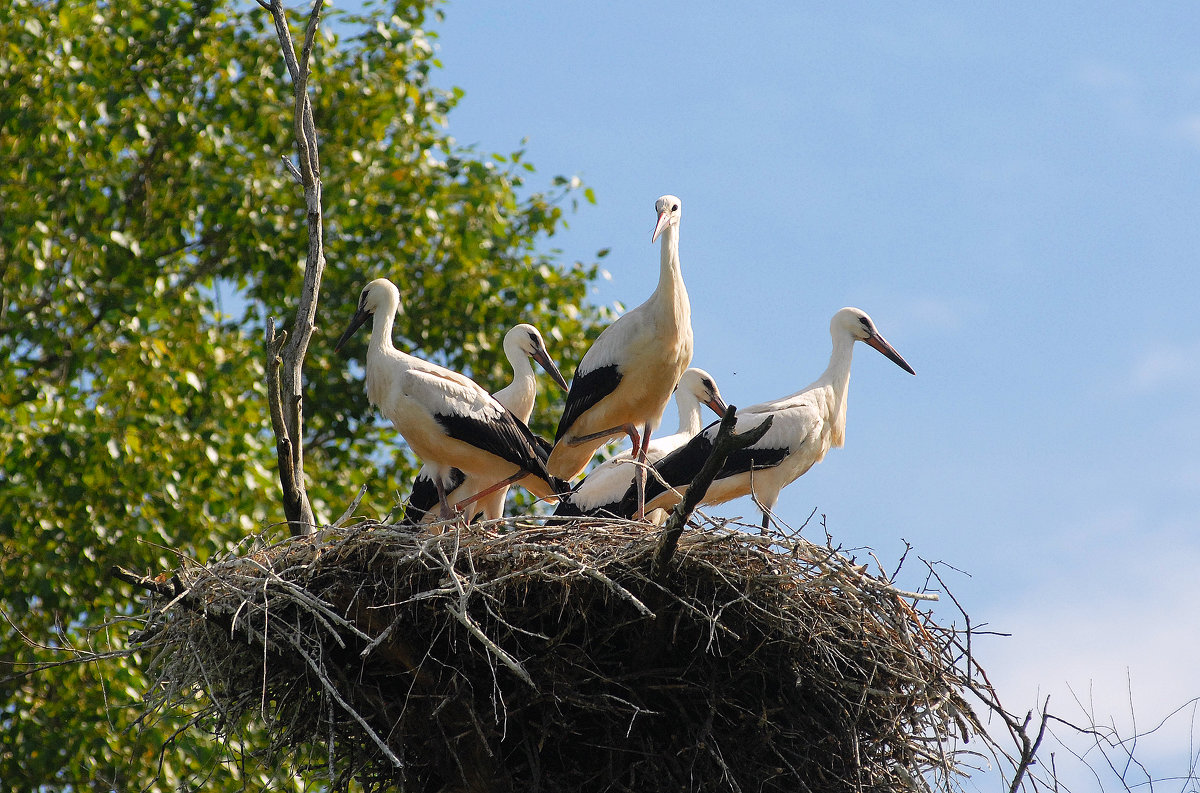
(670, 287)
(519, 395)
(382, 323)
(690, 414)
(835, 383)
(380, 350)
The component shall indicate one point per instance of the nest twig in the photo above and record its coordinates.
(514, 656)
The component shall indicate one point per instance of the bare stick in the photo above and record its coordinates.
(362, 491)
(496, 650)
(725, 444)
(292, 169)
(291, 485)
(171, 589)
(288, 398)
(1029, 746)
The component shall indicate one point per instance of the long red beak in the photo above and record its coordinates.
(880, 344)
(717, 404)
(664, 219)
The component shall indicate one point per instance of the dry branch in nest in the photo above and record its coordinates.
(514, 656)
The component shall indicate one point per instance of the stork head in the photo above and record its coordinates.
(855, 323)
(701, 385)
(525, 340)
(668, 208)
(379, 295)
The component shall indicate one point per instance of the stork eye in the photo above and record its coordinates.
(674, 207)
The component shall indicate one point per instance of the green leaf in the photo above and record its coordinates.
(147, 229)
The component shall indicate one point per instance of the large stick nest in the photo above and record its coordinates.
(514, 656)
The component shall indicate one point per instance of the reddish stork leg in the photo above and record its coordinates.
(466, 502)
(628, 429)
(641, 471)
(447, 510)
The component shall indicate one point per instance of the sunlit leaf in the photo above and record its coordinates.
(148, 229)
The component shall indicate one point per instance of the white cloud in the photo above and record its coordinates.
(1166, 365)
(1105, 77)
(929, 313)
(937, 313)
(1189, 129)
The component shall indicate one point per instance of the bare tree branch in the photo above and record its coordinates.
(288, 359)
(725, 444)
(1029, 747)
(291, 167)
(167, 588)
(289, 481)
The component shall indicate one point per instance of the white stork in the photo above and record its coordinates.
(806, 425)
(603, 489)
(521, 343)
(626, 378)
(448, 420)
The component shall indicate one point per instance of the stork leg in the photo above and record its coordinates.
(641, 470)
(466, 502)
(640, 441)
(447, 511)
(627, 429)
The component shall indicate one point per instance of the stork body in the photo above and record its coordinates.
(522, 343)
(626, 378)
(448, 420)
(602, 490)
(806, 425)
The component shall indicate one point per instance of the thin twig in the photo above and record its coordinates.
(291, 167)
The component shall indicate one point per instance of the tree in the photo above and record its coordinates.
(148, 231)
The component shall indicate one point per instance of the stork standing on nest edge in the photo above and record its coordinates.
(448, 419)
(522, 343)
(806, 425)
(626, 378)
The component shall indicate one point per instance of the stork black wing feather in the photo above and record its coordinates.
(586, 390)
(503, 435)
(681, 466)
(754, 459)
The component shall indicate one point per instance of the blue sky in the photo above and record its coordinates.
(1011, 191)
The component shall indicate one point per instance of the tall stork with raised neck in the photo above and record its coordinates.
(806, 425)
(448, 419)
(522, 344)
(626, 378)
(603, 489)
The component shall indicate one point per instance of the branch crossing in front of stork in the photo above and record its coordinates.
(726, 444)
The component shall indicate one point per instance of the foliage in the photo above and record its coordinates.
(148, 229)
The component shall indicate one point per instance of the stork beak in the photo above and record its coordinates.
(880, 344)
(356, 322)
(664, 220)
(717, 404)
(543, 357)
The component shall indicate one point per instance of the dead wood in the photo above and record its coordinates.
(517, 656)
